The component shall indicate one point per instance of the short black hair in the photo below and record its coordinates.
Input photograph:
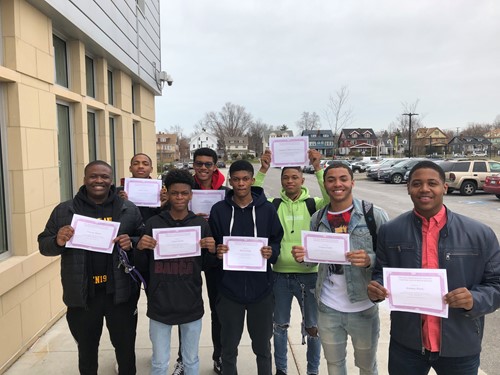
(179, 176)
(241, 165)
(141, 153)
(285, 168)
(97, 162)
(338, 164)
(427, 164)
(205, 151)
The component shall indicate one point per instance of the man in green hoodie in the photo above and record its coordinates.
(292, 279)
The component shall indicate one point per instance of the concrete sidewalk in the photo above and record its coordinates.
(55, 352)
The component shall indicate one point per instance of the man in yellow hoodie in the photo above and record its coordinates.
(291, 279)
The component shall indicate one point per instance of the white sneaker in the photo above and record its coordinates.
(116, 368)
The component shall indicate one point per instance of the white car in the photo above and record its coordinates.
(479, 153)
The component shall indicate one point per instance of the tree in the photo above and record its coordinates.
(309, 121)
(232, 121)
(337, 114)
(255, 134)
(283, 128)
(476, 129)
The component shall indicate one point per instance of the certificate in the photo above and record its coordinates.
(144, 192)
(244, 254)
(92, 234)
(417, 290)
(289, 151)
(203, 200)
(324, 247)
(173, 243)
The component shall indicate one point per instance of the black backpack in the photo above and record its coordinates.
(310, 203)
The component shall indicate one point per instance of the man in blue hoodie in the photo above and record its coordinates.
(246, 212)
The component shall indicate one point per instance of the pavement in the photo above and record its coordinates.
(56, 353)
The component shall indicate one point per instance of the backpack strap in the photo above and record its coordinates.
(311, 206)
(276, 203)
(370, 221)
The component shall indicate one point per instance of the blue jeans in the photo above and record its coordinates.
(160, 333)
(405, 361)
(300, 286)
(364, 329)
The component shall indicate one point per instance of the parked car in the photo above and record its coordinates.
(395, 175)
(221, 164)
(492, 184)
(308, 169)
(325, 163)
(470, 175)
(359, 166)
(382, 171)
(479, 153)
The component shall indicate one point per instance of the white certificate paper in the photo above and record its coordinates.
(173, 243)
(289, 151)
(244, 254)
(92, 234)
(203, 200)
(417, 290)
(144, 192)
(324, 247)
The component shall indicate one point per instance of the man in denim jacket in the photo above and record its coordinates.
(343, 304)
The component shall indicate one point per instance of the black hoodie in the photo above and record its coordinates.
(246, 286)
(175, 285)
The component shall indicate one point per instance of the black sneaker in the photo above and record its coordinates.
(178, 369)
(280, 372)
(218, 366)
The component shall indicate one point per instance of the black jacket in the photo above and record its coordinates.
(76, 273)
(246, 286)
(175, 285)
(470, 253)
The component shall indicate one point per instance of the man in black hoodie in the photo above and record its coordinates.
(246, 212)
(95, 285)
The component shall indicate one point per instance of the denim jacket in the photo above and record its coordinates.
(357, 278)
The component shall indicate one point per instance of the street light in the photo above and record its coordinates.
(409, 114)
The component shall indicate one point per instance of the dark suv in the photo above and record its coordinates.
(395, 175)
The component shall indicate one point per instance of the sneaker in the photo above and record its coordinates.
(218, 366)
(280, 372)
(117, 370)
(178, 369)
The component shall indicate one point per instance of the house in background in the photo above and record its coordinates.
(167, 149)
(466, 145)
(202, 139)
(429, 141)
(494, 137)
(358, 141)
(78, 81)
(321, 140)
(274, 133)
(236, 147)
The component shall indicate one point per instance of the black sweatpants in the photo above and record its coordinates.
(259, 326)
(86, 325)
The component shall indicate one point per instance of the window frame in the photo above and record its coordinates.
(5, 229)
(90, 76)
(94, 140)
(66, 83)
(112, 146)
(111, 86)
(70, 136)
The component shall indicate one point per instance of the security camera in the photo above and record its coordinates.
(169, 80)
(165, 77)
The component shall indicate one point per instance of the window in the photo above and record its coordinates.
(64, 152)
(112, 145)
(3, 211)
(111, 88)
(135, 134)
(61, 61)
(92, 133)
(479, 167)
(133, 98)
(89, 75)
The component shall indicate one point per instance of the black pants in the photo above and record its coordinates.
(259, 326)
(211, 281)
(86, 325)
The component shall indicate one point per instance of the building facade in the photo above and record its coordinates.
(273, 134)
(167, 148)
(321, 140)
(430, 141)
(236, 147)
(78, 82)
(360, 140)
(202, 139)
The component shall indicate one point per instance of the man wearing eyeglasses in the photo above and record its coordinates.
(207, 177)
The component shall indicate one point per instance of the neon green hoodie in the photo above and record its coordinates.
(294, 218)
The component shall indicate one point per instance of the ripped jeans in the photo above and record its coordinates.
(301, 286)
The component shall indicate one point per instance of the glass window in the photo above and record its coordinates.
(135, 131)
(479, 167)
(461, 167)
(61, 61)
(64, 149)
(111, 88)
(92, 132)
(133, 98)
(494, 167)
(89, 74)
(112, 145)
(3, 213)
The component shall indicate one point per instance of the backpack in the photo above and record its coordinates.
(369, 218)
(310, 203)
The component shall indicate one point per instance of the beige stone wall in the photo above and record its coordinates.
(30, 288)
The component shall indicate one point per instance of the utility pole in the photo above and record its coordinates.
(409, 114)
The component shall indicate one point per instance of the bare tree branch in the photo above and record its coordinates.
(337, 114)
(309, 121)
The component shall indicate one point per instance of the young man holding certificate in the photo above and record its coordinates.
(174, 250)
(343, 305)
(292, 279)
(433, 237)
(95, 285)
(251, 225)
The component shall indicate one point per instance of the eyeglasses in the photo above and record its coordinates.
(200, 164)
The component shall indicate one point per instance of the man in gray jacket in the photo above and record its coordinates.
(431, 237)
(343, 305)
(95, 284)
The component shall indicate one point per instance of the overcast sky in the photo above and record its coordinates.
(280, 58)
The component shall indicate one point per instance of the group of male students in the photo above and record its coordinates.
(336, 301)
